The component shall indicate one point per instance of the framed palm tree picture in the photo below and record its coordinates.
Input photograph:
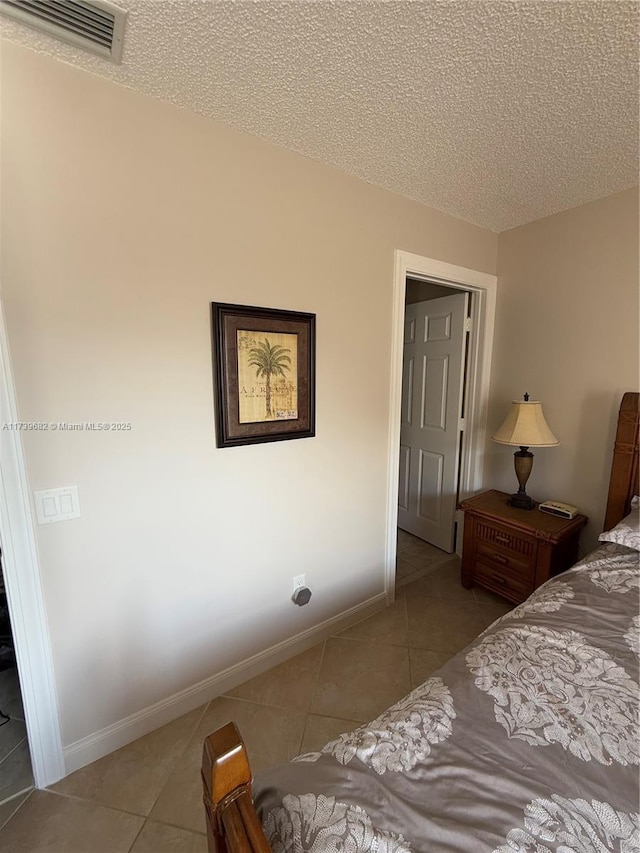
(264, 371)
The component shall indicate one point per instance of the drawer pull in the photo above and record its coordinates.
(500, 559)
(499, 579)
(500, 537)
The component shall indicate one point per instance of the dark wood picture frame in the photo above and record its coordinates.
(255, 410)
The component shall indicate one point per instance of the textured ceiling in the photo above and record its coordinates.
(496, 112)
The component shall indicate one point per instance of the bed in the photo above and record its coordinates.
(527, 740)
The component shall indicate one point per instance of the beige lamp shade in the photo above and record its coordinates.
(525, 426)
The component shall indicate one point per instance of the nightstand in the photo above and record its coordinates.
(512, 551)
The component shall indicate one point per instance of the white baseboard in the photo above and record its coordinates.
(107, 740)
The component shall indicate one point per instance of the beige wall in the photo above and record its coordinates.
(123, 219)
(567, 332)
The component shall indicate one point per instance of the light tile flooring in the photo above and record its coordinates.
(15, 762)
(147, 796)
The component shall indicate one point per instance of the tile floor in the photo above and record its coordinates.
(15, 762)
(147, 796)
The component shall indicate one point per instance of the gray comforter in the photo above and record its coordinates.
(525, 741)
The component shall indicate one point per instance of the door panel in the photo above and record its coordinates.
(432, 384)
(407, 392)
(430, 486)
(438, 327)
(434, 391)
(403, 490)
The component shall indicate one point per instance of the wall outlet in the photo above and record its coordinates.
(298, 581)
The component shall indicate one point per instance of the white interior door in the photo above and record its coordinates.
(432, 385)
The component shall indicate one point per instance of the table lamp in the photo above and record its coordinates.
(524, 427)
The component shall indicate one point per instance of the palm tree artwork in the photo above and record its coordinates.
(269, 360)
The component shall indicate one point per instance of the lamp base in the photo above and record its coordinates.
(521, 500)
(523, 460)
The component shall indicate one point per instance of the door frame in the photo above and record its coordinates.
(24, 590)
(483, 288)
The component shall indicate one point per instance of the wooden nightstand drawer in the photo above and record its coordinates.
(502, 581)
(506, 561)
(520, 546)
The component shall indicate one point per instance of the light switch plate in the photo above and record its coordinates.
(57, 504)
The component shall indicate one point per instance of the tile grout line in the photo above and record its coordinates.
(262, 704)
(167, 823)
(205, 708)
(145, 818)
(175, 826)
(137, 836)
(18, 807)
(406, 619)
(424, 572)
(11, 751)
(77, 799)
(313, 693)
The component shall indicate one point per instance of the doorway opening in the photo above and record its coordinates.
(16, 775)
(436, 342)
(22, 584)
(420, 281)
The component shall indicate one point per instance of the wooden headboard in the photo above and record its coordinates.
(624, 483)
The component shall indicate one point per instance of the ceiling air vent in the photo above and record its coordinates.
(95, 26)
